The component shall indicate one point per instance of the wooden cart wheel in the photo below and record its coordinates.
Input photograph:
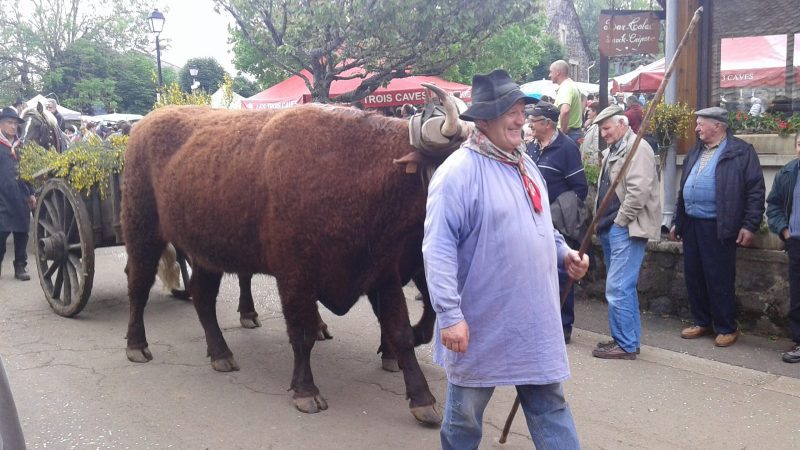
(64, 247)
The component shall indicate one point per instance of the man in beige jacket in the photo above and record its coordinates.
(633, 216)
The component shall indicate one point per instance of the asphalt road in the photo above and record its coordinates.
(75, 388)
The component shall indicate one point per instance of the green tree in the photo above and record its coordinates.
(552, 50)
(245, 87)
(34, 34)
(135, 83)
(517, 49)
(210, 74)
(387, 39)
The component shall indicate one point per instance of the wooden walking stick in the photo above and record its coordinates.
(587, 238)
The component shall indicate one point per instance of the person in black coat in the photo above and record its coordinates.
(16, 196)
(720, 205)
(783, 217)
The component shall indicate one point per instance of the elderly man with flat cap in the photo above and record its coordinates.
(491, 262)
(633, 215)
(720, 205)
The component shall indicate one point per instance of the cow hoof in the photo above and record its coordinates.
(390, 365)
(138, 355)
(250, 322)
(427, 415)
(310, 405)
(225, 365)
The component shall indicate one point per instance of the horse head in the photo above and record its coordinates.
(41, 127)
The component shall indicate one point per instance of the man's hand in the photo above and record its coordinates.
(673, 236)
(32, 202)
(575, 265)
(456, 337)
(745, 238)
(785, 234)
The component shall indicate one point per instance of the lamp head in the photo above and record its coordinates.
(156, 21)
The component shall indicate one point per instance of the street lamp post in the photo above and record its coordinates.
(193, 73)
(156, 21)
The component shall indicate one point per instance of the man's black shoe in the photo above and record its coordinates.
(21, 273)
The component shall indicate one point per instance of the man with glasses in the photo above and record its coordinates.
(559, 160)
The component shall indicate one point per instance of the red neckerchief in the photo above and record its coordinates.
(479, 143)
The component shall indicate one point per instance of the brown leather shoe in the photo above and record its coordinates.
(726, 340)
(606, 344)
(696, 332)
(612, 352)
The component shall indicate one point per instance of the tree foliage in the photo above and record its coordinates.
(244, 87)
(34, 34)
(517, 49)
(387, 39)
(210, 74)
(91, 77)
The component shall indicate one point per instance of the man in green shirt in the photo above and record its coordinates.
(568, 101)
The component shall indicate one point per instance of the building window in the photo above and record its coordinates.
(562, 34)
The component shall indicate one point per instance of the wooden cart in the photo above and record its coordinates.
(69, 226)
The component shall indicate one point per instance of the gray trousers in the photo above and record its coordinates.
(10, 430)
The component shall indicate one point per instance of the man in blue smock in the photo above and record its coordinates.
(491, 261)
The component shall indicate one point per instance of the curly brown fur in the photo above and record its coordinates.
(308, 194)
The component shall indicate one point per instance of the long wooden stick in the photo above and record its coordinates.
(587, 239)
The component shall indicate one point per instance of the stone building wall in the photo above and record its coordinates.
(762, 287)
(561, 15)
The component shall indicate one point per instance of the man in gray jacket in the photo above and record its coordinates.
(633, 216)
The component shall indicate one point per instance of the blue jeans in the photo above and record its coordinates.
(546, 412)
(623, 256)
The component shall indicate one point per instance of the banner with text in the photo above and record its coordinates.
(634, 33)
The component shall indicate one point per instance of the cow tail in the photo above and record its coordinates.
(169, 272)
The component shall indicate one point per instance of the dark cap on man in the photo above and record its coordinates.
(715, 113)
(546, 110)
(608, 112)
(492, 96)
(9, 113)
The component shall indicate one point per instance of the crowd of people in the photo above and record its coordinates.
(505, 215)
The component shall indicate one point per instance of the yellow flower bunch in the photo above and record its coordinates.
(84, 166)
(172, 95)
(670, 122)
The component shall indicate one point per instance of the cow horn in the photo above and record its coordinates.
(451, 125)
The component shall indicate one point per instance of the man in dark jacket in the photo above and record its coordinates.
(52, 106)
(559, 160)
(783, 216)
(720, 205)
(16, 196)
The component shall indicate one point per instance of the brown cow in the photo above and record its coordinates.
(308, 195)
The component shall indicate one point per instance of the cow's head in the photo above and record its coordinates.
(435, 131)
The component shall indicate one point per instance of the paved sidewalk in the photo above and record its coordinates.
(74, 387)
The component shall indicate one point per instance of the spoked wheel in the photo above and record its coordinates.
(64, 248)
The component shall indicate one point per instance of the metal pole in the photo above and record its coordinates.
(158, 63)
(669, 180)
(587, 239)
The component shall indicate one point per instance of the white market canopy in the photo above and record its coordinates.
(115, 117)
(218, 100)
(539, 88)
(66, 113)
